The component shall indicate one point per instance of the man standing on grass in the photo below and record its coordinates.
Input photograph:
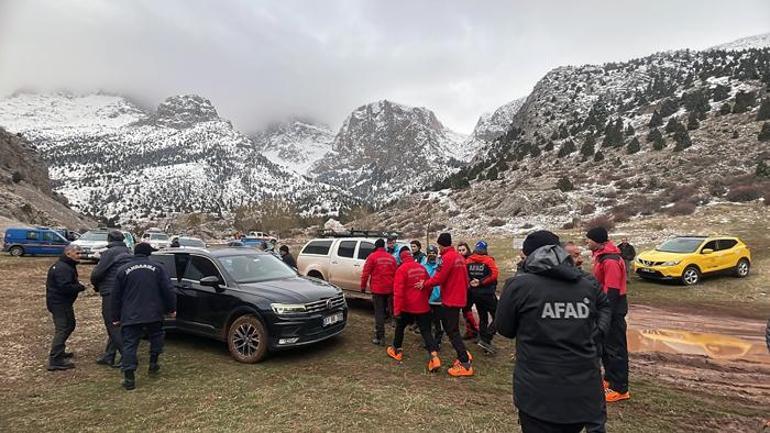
(610, 271)
(103, 278)
(142, 295)
(483, 273)
(378, 273)
(452, 276)
(555, 312)
(61, 290)
(628, 253)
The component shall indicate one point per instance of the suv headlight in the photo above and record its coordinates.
(288, 308)
(671, 263)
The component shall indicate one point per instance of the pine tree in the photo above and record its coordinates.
(548, 146)
(564, 184)
(720, 93)
(673, 125)
(763, 170)
(656, 120)
(692, 121)
(653, 135)
(659, 143)
(492, 173)
(613, 134)
(587, 149)
(744, 101)
(567, 148)
(599, 156)
(630, 131)
(764, 134)
(633, 146)
(668, 107)
(535, 151)
(764, 110)
(725, 109)
(682, 139)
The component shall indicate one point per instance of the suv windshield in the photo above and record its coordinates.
(191, 242)
(252, 268)
(680, 245)
(158, 237)
(94, 236)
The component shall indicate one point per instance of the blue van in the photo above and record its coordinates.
(37, 241)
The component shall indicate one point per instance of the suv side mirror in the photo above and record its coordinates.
(211, 281)
(707, 251)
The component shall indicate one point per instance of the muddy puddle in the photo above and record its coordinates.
(690, 333)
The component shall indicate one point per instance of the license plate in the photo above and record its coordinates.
(334, 318)
(649, 271)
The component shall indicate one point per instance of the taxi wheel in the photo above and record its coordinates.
(690, 276)
(247, 339)
(742, 270)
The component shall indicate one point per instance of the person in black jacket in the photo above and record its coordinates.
(556, 313)
(627, 252)
(103, 278)
(287, 257)
(61, 290)
(142, 295)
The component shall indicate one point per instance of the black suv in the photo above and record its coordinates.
(251, 300)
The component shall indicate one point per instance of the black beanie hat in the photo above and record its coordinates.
(598, 235)
(444, 239)
(379, 243)
(115, 236)
(538, 239)
(143, 249)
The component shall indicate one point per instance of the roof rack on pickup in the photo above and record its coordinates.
(357, 233)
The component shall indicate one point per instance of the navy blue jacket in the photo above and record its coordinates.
(62, 285)
(104, 273)
(142, 293)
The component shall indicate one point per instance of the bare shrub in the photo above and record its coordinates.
(681, 208)
(600, 221)
(496, 222)
(744, 193)
(587, 209)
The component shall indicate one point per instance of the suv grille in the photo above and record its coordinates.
(650, 263)
(325, 304)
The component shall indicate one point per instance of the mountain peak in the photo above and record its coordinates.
(755, 41)
(184, 110)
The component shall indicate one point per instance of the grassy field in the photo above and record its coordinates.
(345, 384)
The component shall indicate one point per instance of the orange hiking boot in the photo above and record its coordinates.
(457, 361)
(605, 384)
(397, 354)
(435, 363)
(459, 370)
(612, 396)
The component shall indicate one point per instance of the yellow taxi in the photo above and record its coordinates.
(688, 258)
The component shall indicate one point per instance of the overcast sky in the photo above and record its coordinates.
(260, 61)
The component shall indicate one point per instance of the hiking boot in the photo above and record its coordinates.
(377, 341)
(397, 354)
(605, 384)
(154, 366)
(461, 370)
(105, 361)
(612, 396)
(434, 363)
(457, 361)
(129, 381)
(60, 365)
(488, 348)
(68, 355)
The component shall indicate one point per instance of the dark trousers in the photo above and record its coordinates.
(615, 353)
(423, 322)
(114, 338)
(438, 330)
(131, 336)
(534, 425)
(450, 321)
(64, 324)
(381, 304)
(486, 305)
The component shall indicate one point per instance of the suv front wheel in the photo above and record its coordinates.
(247, 339)
(742, 270)
(16, 251)
(690, 276)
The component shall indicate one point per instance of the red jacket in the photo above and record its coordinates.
(406, 297)
(452, 276)
(484, 268)
(381, 267)
(609, 268)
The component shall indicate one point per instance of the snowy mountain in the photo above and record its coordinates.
(490, 127)
(384, 150)
(294, 145)
(112, 159)
(756, 41)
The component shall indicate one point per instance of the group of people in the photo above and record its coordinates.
(569, 325)
(136, 294)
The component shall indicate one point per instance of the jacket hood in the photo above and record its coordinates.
(608, 248)
(406, 257)
(113, 244)
(553, 262)
(67, 260)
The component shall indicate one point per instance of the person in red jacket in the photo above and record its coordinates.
(483, 273)
(379, 271)
(471, 326)
(610, 271)
(452, 276)
(410, 305)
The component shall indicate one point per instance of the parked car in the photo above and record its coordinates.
(339, 260)
(188, 242)
(250, 300)
(688, 258)
(33, 241)
(94, 242)
(156, 238)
